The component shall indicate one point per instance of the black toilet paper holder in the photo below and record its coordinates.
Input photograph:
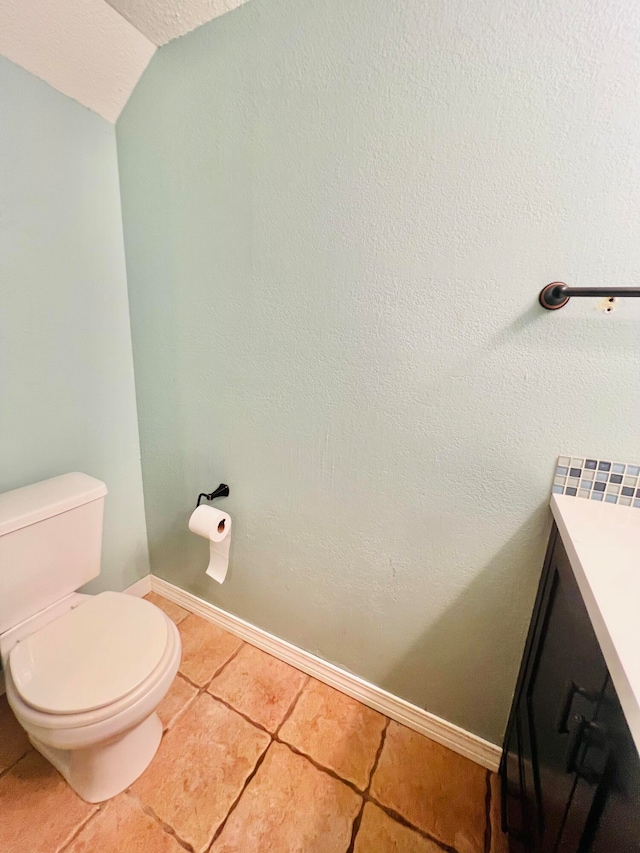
(221, 492)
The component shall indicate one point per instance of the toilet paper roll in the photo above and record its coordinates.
(214, 525)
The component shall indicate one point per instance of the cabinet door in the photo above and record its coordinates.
(566, 681)
(519, 806)
(512, 783)
(614, 824)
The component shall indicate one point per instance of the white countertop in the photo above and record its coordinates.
(603, 545)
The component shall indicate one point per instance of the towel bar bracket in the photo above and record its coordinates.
(557, 294)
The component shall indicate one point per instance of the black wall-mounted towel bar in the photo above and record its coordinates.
(557, 294)
(221, 492)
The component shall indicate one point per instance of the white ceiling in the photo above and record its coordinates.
(83, 48)
(95, 51)
(163, 20)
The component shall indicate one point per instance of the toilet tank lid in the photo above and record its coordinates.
(30, 504)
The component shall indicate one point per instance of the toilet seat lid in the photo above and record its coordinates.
(91, 656)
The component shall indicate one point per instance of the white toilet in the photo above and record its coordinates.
(84, 674)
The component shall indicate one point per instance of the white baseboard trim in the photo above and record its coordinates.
(141, 587)
(471, 746)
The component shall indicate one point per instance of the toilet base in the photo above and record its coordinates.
(99, 772)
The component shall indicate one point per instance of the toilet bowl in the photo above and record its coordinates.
(87, 707)
(84, 674)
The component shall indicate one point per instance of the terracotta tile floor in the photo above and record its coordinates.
(257, 757)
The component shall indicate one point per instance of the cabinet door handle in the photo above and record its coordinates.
(573, 689)
(595, 736)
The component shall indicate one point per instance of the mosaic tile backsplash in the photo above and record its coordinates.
(598, 480)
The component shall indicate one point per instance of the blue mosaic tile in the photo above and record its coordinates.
(597, 479)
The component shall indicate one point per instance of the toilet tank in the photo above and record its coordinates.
(50, 543)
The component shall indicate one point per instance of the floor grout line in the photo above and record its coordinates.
(201, 688)
(358, 820)
(250, 719)
(355, 829)
(178, 714)
(383, 738)
(322, 767)
(240, 714)
(226, 663)
(247, 782)
(165, 827)
(318, 766)
(189, 681)
(394, 815)
(65, 844)
(291, 708)
(11, 766)
(185, 678)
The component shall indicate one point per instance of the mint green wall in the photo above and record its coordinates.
(338, 217)
(67, 396)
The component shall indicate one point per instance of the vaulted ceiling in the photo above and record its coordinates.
(163, 20)
(96, 51)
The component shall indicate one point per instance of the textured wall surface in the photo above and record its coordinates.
(82, 48)
(67, 396)
(338, 217)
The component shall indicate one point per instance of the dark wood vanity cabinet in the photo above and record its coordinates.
(570, 769)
